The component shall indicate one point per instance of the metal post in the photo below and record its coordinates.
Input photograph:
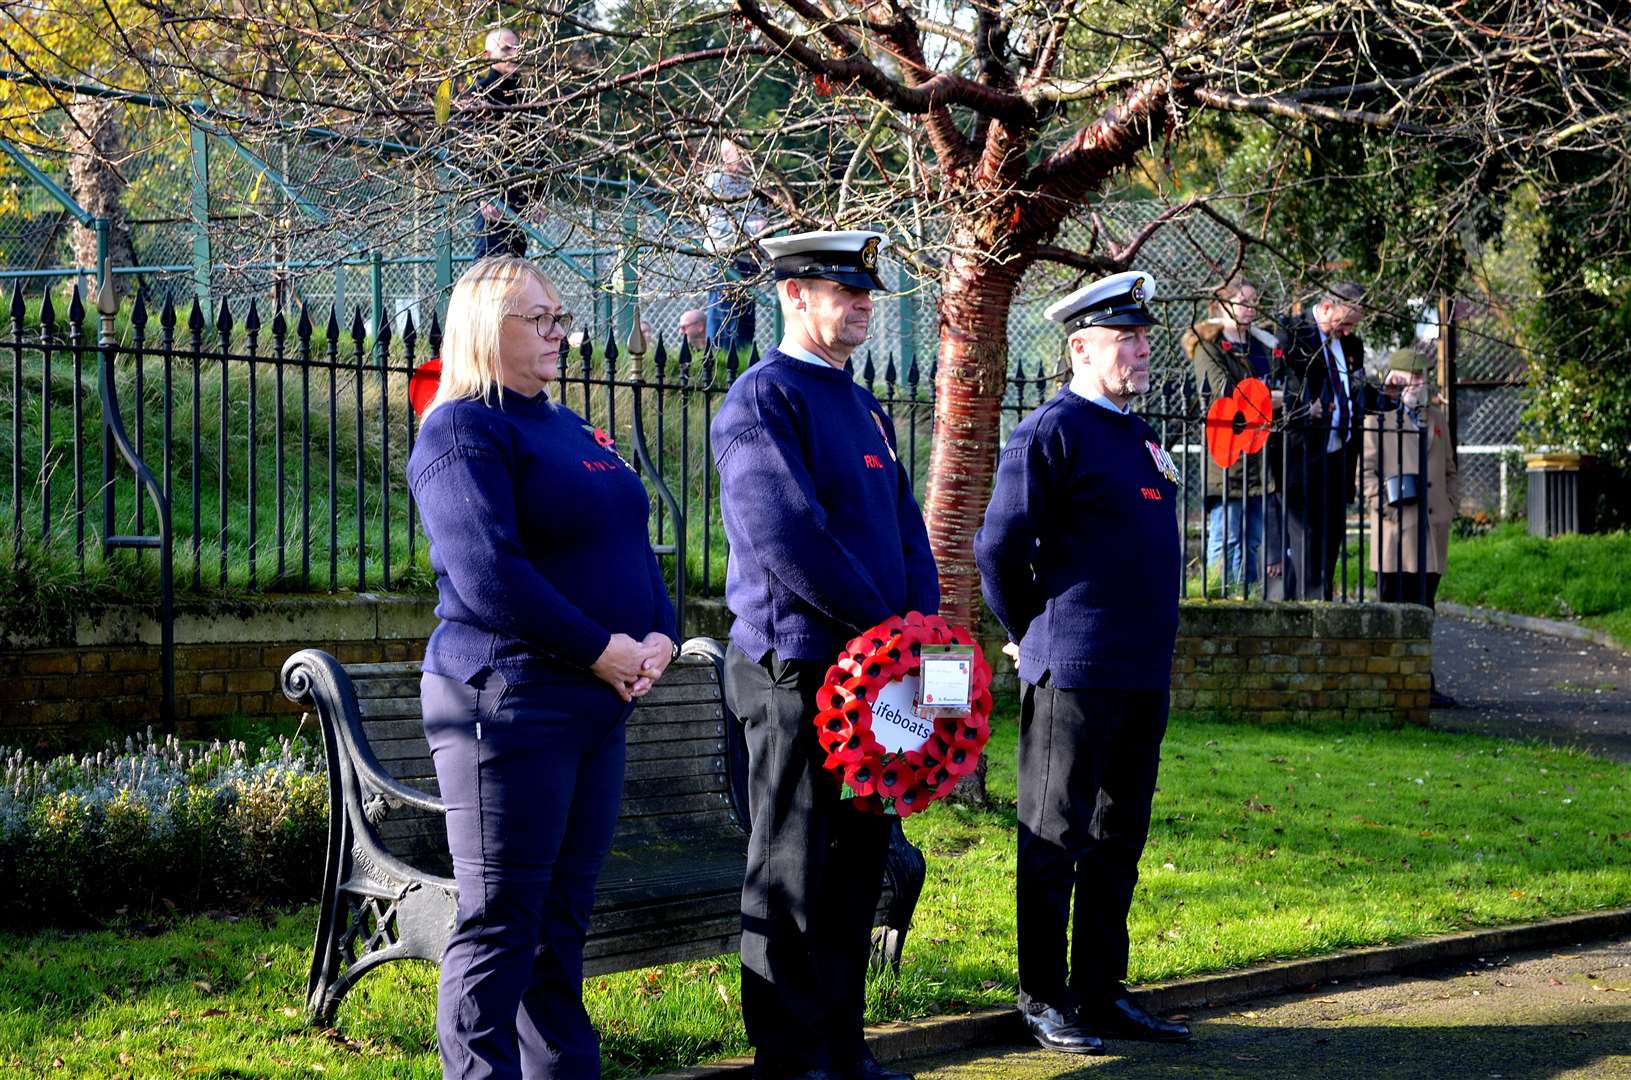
(376, 294)
(444, 265)
(114, 432)
(104, 281)
(1500, 511)
(1446, 364)
(908, 326)
(202, 258)
(629, 286)
(102, 226)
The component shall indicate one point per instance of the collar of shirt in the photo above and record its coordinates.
(1078, 386)
(806, 355)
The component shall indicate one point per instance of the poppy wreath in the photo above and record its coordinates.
(907, 781)
(1238, 423)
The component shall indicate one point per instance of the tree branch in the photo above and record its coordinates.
(937, 91)
(1097, 264)
(1287, 105)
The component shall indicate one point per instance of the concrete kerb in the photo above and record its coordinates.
(1001, 1026)
(1531, 623)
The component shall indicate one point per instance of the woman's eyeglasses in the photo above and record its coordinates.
(546, 322)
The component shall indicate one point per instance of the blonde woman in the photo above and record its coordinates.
(553, 619)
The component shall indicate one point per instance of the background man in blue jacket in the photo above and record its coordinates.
(826, 541)
(1080, 557)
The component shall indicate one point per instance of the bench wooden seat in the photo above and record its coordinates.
(670, 889)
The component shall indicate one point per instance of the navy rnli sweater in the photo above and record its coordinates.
(1079, 555)
(537, 538)
(826, 538)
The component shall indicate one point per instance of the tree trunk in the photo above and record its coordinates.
(96, 148)
(973, 373)
(975, 296)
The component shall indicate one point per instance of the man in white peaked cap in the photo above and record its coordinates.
(1080, 559)
(826, 541)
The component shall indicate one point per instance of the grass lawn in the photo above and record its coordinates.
(1267, 843)
(1580, 578)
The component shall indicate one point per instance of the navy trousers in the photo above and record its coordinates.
(1087, 767)
(532, 775)
(814, 876)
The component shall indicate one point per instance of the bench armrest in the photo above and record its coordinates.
(313, 677)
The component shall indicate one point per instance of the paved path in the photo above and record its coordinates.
(1522, 1017)
(1519, 684)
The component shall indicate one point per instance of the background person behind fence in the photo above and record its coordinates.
(1325, 366)
(731, 315)
(1225, 349)
(694, 330)
(496, 233)
(1397, 481)
(551, 623)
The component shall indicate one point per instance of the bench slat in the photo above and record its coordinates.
(677, 766)
(637, 830)
(672, 804)
(381, 730)
(402, 750)
(666, 692)
(698, 784)
(389, 708)
(654, 760)
(386, 686)
(675, 951)
(658, 714)
(684, 670)
(673, 724)
(657, 751)
(698, 727)
(399, 756)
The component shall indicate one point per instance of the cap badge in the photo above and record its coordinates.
(869, 254)
(1138, 291)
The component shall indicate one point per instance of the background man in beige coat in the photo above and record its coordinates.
(1392, 464)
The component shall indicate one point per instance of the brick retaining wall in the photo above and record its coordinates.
(1269, 662)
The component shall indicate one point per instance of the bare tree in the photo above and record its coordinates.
(978, 132)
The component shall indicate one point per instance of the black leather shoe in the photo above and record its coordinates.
(869, 1069)
(1121, 1018)
(1056, 1030)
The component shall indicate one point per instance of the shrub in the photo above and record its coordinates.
(156, 825)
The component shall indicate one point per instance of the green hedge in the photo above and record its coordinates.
(154, 827)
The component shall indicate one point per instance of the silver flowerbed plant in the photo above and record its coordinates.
(157, 826)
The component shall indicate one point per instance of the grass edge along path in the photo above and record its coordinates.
(1268, 843)
(1575, 577)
